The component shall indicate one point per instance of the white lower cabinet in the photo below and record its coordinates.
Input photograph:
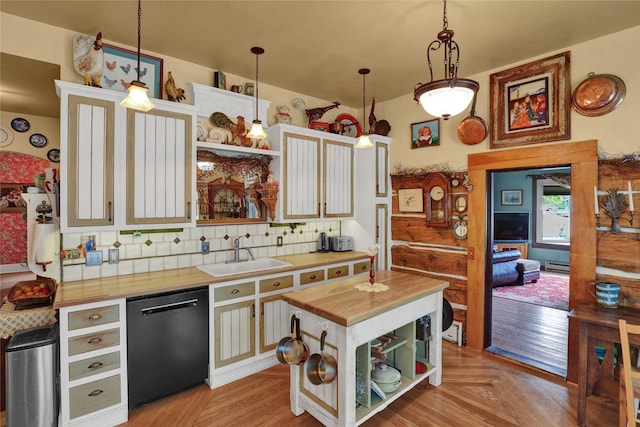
(93, 364)
(249, 318)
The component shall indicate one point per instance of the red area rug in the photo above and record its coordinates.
(551, 290)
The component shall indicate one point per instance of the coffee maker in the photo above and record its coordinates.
(323, 242)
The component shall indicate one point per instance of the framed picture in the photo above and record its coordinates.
(511, 197)
(425, 134)
(120, 70)
(321, 126)
(11, 198)
(410, 200)
(530, 103)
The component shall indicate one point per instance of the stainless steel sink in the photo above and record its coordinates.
(260, 264)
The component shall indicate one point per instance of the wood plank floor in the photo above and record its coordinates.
(531, 333)
(478, 389)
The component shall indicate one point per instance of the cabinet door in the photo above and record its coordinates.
(383, 235)
(159, 167)
(234, 333)
(338, 179)
(89, 194)
(382, 169)
(301, 177)
(274, 322)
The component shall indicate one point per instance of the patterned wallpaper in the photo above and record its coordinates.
(16, 168)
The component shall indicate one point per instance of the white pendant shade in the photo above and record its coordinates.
(364, 141)
(256, 131)
(137, 98)
(447, 101)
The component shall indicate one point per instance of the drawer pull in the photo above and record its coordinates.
(364, 267)
(235, 291)
(95, 365)
(276, 284)
(95, 316)
(94, 340)
(338, 272)
(95, 393)
(313, 276)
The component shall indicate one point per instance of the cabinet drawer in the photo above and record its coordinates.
(93, 396)
(91, 342)
(361, 267)
(233, 291)
(340, 271)
(276, 283)
(94, 365)
(94, 317)
(311, 277)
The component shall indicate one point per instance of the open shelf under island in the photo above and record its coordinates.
(352, 319)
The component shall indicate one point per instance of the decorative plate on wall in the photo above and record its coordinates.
(6, 137)
(598, 95)
(53, 155)
(38, 140)
(20, 125)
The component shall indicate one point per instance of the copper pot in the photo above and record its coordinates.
(472, 130)
(292, 350)
(322, 368)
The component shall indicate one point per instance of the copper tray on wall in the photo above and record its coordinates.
(598, 95)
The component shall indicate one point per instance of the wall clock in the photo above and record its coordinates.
(351, 126)
(438, 201)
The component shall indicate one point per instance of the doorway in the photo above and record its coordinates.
(529, 322)
(583, 158)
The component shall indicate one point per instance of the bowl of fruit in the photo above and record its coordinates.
(32, 293)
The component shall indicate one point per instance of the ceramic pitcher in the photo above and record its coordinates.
(606, 294)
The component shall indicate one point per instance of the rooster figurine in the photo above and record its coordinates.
(174, 93)
(88, 58)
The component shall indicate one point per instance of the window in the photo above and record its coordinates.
(552, 214)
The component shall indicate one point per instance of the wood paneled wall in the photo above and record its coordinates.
(620, 252)
(430, 251)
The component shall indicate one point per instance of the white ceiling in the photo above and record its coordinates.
(316, 47)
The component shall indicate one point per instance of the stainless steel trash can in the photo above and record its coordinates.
(32, 378)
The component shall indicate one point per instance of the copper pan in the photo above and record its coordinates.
(472, 130)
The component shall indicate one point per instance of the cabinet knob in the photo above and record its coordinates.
(276, 284)
(313, 276)
(94, 340)
(95, 316)
(95, 393)
(235, 291)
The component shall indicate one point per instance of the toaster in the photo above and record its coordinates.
(341, 243)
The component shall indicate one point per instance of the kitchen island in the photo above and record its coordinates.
(352, 318)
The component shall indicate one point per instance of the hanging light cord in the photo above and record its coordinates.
(139, 30)
(257, 55)
(364, 76)
(445, 22)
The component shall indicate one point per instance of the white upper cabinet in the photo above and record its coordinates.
(316, 175)
(121, 169)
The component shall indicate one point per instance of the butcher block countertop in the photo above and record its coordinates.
(134, 285)
(345, 305)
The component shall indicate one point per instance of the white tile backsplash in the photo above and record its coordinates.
(165, 254)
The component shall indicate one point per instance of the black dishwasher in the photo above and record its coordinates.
(168, 344)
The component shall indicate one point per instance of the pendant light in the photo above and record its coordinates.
(448, 97)
(256, 131)
(137, 98)
(363, 140)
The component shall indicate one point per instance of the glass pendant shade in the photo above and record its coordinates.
(364, 141)
(446, 98)
(137, 98)
(257, 132)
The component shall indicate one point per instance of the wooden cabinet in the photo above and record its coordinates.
(316, 175)
(372, 197)
(122, 169)
(522, 247)
(159, 167)
(235, 329)
(93, 365)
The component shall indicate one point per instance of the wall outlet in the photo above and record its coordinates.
(279, 241)
(114, 256)
(204, 248)
(94, 258)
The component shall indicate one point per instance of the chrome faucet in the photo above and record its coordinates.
(236, 252)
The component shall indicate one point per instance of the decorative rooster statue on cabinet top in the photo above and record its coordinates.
(88, 58)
